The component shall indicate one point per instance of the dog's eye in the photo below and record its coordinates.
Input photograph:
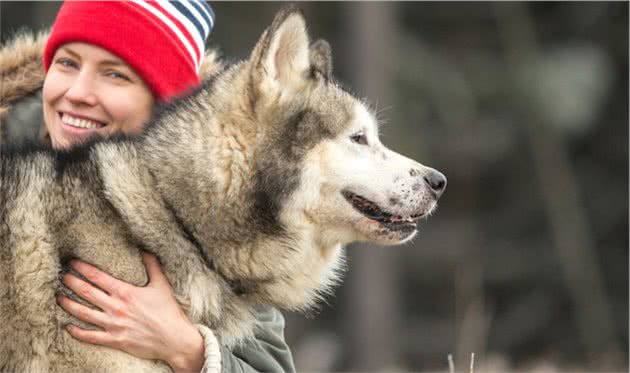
(359, 138)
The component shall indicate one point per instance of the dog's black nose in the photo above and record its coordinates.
(437, 181)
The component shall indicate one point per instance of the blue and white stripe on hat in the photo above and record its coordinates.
(190, 21)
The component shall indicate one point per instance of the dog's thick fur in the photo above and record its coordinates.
(243, 189)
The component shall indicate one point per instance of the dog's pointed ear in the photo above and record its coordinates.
(281, 58)
(321, 59)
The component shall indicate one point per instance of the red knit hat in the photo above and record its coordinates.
(163, 41)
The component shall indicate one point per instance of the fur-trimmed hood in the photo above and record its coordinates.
(22, 69)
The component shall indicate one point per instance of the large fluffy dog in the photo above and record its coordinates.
(246, 190)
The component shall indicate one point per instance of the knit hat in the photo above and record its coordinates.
(163, 41)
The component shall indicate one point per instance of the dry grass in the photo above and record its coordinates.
(451, 365)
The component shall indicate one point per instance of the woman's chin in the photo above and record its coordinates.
(70, 136)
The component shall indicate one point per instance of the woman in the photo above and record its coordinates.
(107, 64)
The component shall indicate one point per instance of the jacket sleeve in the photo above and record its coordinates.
(267, 352)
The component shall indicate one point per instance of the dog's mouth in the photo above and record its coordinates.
(371, 211)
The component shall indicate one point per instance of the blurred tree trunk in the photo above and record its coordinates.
(570, 229)
(371, 308)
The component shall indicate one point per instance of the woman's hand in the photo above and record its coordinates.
(143, 321)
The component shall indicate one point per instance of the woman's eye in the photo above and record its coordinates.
(66, 62)
(117, 75)
(359, 138)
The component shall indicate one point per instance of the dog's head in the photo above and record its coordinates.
(322, 155)
(296, 170)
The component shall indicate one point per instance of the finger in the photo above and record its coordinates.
(96, 276)
(86, 290)
(82, 312)
(96, 337)
(154, 270)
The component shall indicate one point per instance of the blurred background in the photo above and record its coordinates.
(524, 107)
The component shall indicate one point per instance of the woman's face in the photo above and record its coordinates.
(89, 91)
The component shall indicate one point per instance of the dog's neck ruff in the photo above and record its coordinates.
(238, 287)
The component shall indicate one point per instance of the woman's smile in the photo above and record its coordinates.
(79, 121)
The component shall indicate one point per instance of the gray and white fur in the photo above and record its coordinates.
(246, 190)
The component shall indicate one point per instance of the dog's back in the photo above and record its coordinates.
(52, 209)
(29, 263)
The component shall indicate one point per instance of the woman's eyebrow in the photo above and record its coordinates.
(71, 52)
(112, 63)
(103, 62)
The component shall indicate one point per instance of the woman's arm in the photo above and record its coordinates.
(144, 321)
(147, 322)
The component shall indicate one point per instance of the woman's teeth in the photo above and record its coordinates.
(80, 123)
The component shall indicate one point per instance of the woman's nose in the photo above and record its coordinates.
(82, 89)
